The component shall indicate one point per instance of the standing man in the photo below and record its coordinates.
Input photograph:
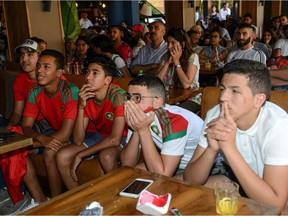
(225, 11)
(246, 50)
(149, 56)
(56, 100)
(249, 132)
(165, 135)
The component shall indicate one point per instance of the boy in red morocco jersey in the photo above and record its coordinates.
(56, 100)
(168, 135)
(102, 104)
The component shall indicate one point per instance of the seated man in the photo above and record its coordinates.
(101, 105)
(56, 100)
(249, 132)
(166, 135)
(149, 56)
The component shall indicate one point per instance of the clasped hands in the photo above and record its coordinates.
(221, 131)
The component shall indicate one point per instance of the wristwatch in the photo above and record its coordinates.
(178, 65)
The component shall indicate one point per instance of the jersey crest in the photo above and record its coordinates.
(109, 115)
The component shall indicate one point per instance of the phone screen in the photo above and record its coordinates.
(136, 187)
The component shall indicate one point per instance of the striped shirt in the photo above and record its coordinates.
(253, 53)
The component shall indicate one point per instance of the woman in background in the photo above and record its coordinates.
(214, 53)
(269, 38)
(80, 59)
(180, 66)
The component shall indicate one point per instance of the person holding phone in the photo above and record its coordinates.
(165, 135)
(180, 66)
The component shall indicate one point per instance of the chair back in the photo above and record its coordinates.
(210, 98)
(79, 80)
(280, 98)
(122, 82)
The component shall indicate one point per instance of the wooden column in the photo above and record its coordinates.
(174, 14)
(17, 24)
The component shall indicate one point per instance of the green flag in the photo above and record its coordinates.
(70, 19)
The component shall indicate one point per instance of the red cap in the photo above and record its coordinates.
(137, 27)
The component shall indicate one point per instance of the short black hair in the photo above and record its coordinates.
(248, 15)
(257, 74)
(153, 84)
(105, 62)
(245, 25)
(59, 57)
(104, 43)
(83, 38)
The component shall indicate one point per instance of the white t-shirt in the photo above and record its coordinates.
(264, 143)
(224, 13)
(253, 53)
(170, 134)
(119, 62)
(282, 44)
(85, 23)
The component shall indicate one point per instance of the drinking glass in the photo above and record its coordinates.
(226, 193)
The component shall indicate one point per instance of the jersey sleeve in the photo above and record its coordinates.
(118, 104)
(71, 105)
(31, 108)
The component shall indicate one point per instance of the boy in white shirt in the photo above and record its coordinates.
(249, 132)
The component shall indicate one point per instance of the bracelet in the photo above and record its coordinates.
(178, 65)
(80, 107)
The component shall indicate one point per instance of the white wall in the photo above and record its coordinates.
(46, 25)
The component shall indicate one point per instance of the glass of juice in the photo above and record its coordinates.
(226, 193)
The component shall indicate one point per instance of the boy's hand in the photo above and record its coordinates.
(50, 142)
(86, 92)
(135, 116)
(77, 160)
(222, 130)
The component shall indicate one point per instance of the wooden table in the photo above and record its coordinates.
(176, 95)
(208, 77)
(13, 143)
(211, 71)
(186, 198)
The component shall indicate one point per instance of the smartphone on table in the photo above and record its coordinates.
(134, 189)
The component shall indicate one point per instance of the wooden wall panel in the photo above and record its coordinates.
(249, 7)
(174, 14)
(17, 24)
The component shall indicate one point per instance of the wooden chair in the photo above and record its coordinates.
(210, 98)
(280, 98)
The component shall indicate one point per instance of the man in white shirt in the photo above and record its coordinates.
(84, 21)
(225, 11)
(249, 132)
(245, 37)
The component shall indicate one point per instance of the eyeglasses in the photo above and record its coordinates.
(136, 97)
